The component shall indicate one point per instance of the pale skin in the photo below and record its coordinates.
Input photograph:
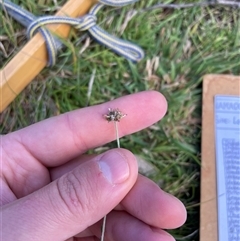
(51, 190)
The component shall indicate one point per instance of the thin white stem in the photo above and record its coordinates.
(117, 134)
(105, 217)
(103, 227)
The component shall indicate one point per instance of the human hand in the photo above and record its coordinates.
(52, 191)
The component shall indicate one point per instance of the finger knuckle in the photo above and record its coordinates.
(74, 195)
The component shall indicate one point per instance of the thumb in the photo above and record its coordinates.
(73, 202)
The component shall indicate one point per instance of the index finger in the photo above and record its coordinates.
(59, 139)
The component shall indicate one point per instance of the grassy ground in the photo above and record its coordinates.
(180, 45)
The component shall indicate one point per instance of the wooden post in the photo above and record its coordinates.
(32, 58)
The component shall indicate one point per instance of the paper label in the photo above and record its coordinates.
(227, 136)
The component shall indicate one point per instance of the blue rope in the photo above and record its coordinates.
(87, 22)
(117, 3)
(25, 18)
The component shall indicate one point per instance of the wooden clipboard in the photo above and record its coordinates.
(212, 85)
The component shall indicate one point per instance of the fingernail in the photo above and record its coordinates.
(114, 167)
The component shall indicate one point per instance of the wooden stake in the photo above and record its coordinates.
(32, 58)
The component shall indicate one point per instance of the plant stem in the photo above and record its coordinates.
(118, 145)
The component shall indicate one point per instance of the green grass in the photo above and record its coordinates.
(181, 46)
